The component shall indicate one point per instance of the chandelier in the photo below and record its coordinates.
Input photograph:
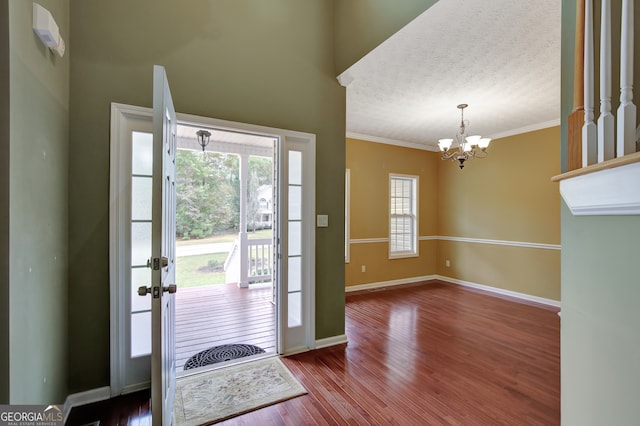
(467, 146)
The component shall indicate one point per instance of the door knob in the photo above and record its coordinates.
(171, 288)
(144, 290)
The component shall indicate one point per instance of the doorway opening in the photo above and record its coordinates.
(290, 289)
(225, 214)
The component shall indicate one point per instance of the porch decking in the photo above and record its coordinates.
(221, 314)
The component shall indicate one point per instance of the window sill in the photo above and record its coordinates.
(608, 188)
(403, 255)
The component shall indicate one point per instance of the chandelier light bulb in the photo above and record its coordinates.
(483, 143)
(445, 144)
(473, 140)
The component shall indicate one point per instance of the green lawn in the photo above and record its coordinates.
(224, 238)
(205, 269)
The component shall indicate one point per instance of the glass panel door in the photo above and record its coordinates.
(297, 245)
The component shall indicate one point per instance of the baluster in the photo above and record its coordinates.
(627, 109)
(606, 141)
(589, 155)
(261, 259)
(576, 118)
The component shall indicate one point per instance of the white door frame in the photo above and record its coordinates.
(124, 119)
(121, 116)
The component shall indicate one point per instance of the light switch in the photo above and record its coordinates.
(323, 221)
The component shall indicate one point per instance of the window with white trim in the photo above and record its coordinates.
(403, 216)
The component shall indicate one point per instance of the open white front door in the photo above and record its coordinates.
(163, 369)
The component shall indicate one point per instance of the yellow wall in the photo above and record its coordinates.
(507, 197)
(370, 164)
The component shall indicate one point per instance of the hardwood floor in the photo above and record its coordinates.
(424, 354)
(222, 314)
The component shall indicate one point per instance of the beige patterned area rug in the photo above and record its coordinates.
(210, 397)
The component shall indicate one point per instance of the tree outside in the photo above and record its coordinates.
(208, 206)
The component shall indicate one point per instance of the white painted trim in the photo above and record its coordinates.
(606, 192)
(523, 244)
(331, 341)
(496, 290)
(347, 215)
(296, 350)
(489, 289)
(368, 240)
(196, 120)
(433, 148)
(404, 144)
(382, 284)
(124, 118)
(526, 129)
(297, 339)
(415, 215)
(83, 398)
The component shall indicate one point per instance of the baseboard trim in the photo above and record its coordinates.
(501, 291)
(488, 289)
(391, 283)
(86, 397)
(331, 341)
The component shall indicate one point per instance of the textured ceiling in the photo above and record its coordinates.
(502, 57)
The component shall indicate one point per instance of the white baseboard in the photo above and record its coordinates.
(331, 341)
(501, 291)
(382, 284)
(86, 397)
(495, 290)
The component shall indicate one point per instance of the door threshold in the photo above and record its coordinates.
(218, 365)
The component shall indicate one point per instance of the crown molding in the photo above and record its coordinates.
(405, 144)
(431, 148)
(526, 129)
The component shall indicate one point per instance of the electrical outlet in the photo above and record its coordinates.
(364, 268)
(447, 263)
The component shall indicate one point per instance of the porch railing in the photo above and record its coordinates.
(260, 259)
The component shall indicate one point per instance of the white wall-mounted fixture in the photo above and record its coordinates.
(322, 221)
(46, 28)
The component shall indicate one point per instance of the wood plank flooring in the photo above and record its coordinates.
(222, 314)
(427, 354)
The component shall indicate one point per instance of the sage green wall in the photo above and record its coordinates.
(4, 203)
(600, 334)
(39, 115)
(600, 327)
(267, 63)
(361, 25)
